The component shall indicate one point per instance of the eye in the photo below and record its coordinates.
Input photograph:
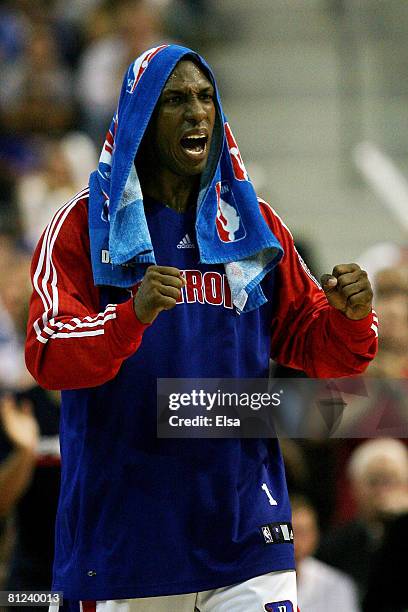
(206, 97)
(173, 100)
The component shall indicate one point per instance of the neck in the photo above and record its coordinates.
(177, 192)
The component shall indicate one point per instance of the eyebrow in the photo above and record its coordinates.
(173, 90)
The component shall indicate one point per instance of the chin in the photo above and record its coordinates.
(199, 168)
(191, 171)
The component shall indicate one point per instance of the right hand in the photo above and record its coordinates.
(159, 290)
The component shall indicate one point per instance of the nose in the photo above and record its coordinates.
(195, 111)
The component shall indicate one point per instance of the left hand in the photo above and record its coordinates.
(349, 290)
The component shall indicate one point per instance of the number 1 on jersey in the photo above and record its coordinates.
(272, 501)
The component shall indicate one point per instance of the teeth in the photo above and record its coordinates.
(195, 144)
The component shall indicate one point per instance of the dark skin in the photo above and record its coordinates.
(185, 109)
(349, 290)
(176, 145)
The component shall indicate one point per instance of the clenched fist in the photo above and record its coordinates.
(159, 290)
(348, 289)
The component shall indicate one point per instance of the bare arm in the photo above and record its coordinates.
(22, 431)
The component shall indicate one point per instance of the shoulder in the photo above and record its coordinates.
(274, 221)
(73, 215)
(67, 232)
(70, 221)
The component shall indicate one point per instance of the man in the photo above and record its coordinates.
(378, 473)
(320, 587)
(158, 524)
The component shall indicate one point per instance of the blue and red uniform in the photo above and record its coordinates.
(140, 516)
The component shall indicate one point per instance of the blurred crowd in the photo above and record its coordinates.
(61, 65)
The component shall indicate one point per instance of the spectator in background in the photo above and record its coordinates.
(29, 449)
(13, 32)
(387, 588)
(66, 165)
(36, 90)
(378, 470)
(194, 21)
(75, 11)
(9, 221)
(40, 193)
(320, 587)
(22, 434)
(123, 30)
(391, 299)
(29, 483)
(15, 290)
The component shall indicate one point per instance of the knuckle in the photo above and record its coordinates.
(155, 296)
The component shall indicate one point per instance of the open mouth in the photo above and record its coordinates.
(194, 145)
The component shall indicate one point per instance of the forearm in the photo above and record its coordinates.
(338, 346)
(75, 352)
(307, 333)
(15, 476)
(325, 344)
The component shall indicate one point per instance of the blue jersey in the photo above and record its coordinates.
(140, 516)
(144, 516)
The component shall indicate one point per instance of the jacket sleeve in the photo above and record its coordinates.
(307, 333)
(70, 343)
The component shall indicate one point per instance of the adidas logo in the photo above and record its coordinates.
(186, 243)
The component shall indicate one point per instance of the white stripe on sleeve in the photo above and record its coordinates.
(46, 327)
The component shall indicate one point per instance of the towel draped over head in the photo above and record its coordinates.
(229, 225)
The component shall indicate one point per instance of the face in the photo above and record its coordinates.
(393, 311)
(181, 129)
(306, 532)
(382, 482)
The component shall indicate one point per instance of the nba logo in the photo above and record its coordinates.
(139, 66)
(238, 166)
(228, 221)
(267, 535)
(279, 606)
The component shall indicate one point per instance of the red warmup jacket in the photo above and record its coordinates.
(128, 525)
(73, 343)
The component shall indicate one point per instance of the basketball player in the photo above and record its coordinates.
(145, 275)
